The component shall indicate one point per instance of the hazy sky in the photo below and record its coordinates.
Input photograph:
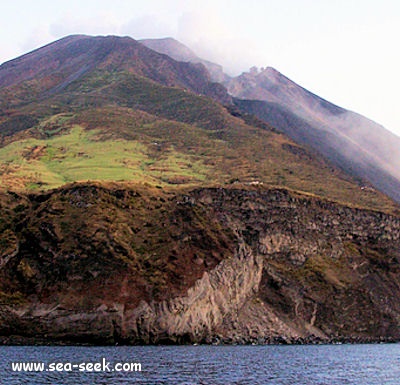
(346, 51)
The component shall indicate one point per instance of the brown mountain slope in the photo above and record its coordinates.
(352, 142)
(57, 135)
(50, 69)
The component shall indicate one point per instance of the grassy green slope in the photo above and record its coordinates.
(121, 127)
(124, 89)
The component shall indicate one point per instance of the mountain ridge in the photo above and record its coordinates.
(354, 139)
(141, 204)
(60, 63)
(45, 115)
(180, 52)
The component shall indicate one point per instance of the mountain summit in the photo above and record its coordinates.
(52, 68)
(141, 203)
(180, 52)
(350, 141)
(116, 87)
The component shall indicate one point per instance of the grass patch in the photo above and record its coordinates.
(11, 298)
(80, 156)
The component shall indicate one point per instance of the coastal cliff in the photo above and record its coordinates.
(90, 263)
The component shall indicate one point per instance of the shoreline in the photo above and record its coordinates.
(15, 340)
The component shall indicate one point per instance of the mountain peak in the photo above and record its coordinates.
(274, 76)
(68, 54)
(272, 73)
(56, 65)
(257, 75)
(180, 52)
(171, 47)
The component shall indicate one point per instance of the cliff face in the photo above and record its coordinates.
(209, 265)
(329, 271)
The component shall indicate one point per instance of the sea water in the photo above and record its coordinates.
(205, 365)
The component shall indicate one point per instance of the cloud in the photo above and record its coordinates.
(37, 38)
(102, 23)
(201, 28)
(8, 52)
(147, 26)
(207, 35)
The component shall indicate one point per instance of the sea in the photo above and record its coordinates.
(206, 365)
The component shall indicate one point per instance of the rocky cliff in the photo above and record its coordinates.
(102, 264)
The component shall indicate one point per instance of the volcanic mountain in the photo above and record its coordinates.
(141, 203)
(168, 113)
(352, 142)
(52, 68)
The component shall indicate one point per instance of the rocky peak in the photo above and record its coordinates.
(54, 67)
(181, 52)
(170, 47)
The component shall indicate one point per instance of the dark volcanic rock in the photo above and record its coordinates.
(104, 265)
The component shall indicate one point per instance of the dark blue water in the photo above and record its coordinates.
(212, 365)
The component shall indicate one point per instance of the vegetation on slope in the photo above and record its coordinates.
(122, 144)
(153, 234)
(100, 237)
(86, 262)
(116, 125)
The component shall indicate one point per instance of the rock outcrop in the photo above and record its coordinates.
(229, 266)
(197, 315)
